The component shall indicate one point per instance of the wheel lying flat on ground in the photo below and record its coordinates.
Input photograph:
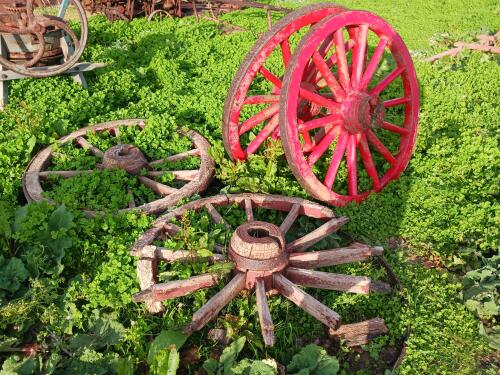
(260, 258)
(129, 158)
(261, 99)
(359, 108)
(39, 33)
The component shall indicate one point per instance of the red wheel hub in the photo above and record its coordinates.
(360, 112)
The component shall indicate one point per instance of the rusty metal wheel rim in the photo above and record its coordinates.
(354, 112)
(198, 179)
(263, 261)
(277, 37)
(71, 61)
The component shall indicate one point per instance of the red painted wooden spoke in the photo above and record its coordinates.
(359, 124)
(280, 39)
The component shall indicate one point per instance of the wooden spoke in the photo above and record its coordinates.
(260, 99)
(64, 174)
(248, 209)
(179, 288)
(89, 146)
(396, 101)
(216, 216)
(131, 202)
(170, 256)
(185, 175)
(290, 218)
(337, 156)
(323, 50)
(285, 52)
(157, 187)
(333, 281)
(373, 64)
(366, 156)
(343, 72)
(325, 258)
(271, 125)
(333, 60)
(319, 100)
(258, 118)
(322, 146)
(379, 146)
(215, 304)
(176, 157)
(266, 321)
(387, 80)
(352, 176)
(337, 90)
(306, 301)
(359, 55)
(321, 122)
(270, 77)
(316, 235)
(394, 128)
(357, 334)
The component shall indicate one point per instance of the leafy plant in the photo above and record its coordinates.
(482, 297)
(163, 355)
(313, 360)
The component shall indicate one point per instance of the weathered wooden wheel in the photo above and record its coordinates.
(247, 92)
(40, 36)
(358, 110)
(129, 158)
(159, 15)
(260, 259)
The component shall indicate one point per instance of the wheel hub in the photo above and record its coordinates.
(362, 112)
(126, 157)
(258, 248)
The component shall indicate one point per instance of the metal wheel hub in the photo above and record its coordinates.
(127, 157)
(361, 111)
(258, 248)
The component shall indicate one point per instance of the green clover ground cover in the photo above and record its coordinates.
(66, 281)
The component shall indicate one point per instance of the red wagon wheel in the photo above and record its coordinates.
(129, 158)
(252, 102)
(359, 108)
(260, 259)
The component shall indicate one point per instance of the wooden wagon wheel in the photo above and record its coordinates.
(357, 114)
(258, 64)
(38, 18)
(132, 160)
(158, 15)
(261, 259)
